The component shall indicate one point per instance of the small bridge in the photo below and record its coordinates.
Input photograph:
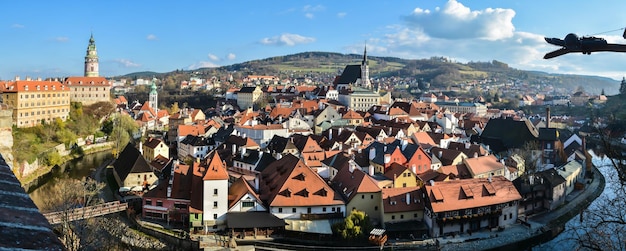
(86, 212)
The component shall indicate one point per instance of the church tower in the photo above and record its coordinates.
(154, 98)
(91, 59)
(365, 71)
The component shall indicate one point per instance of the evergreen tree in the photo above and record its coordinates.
(622, 87)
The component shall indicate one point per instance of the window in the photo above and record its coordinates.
(376, 208)
(393, 217)
(195, 216)
(214, 204)
(414, 215)
(308, 210)
(280, 209)
(214, 216)
(323, 209)
(159, 203)
(505, 217)
(293, 210)
(402, 216)
(149, 202)
(215, 191)
(247, 204)
(363, 196)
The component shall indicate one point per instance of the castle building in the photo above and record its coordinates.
(90, 88)
(36, 101)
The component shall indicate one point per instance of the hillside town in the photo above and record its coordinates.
(292, 157)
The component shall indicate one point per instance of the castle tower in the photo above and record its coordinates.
(154, 98)
(365, 71)
(91, 59)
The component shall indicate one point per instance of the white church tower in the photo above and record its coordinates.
(91, 59)
(154, 98)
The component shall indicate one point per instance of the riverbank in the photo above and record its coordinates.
(542, 227)
(43, 173)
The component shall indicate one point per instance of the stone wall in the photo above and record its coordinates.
(6, 134)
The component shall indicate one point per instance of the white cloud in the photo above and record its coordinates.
(151, 37)
(61, 39)
(456, 21)
(310, 8)
(126, 63)
(341, 14)
(202, 64)
(17, 26)
(287, 39)
(231, 56)
(309, 15)
(213, 57)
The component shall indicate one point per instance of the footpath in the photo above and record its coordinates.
(539, 223)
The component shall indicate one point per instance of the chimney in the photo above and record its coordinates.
(547, 117)
(489, 178)
(141, 147)
(243, 151)
(408, 198)
(371, 170)
(387, 158)
(351, 166)
(330, 134)
(372, 153)
(17, 78)
(440, 153)
(414, 169)
(234, 149)
(432, 183)
(256, 183)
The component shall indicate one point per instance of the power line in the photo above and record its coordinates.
(604, 32)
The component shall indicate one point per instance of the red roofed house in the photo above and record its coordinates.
(296, 193)
(170, 199)
(470, 205)
(403, 205)
(359, 190)
(215, 194)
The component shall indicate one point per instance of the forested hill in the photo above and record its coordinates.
(438, 71)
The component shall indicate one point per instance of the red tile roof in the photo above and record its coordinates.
(395, 199)
(28, 85)
(86, 81)
(216, 169)
(470, 193)
(289, 182)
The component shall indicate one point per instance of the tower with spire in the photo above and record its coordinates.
(365, 71)
(153, 98)
(91, 59)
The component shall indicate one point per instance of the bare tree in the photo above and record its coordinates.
(70, 196)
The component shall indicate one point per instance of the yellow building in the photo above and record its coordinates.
(248, 96)
(36, 101)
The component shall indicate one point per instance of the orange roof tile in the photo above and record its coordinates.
(216, 169)
(289, 182)
(86, 81)
(28, 85)
(483, 164)
(448, 196)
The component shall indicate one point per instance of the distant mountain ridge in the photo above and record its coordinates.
(438, 71)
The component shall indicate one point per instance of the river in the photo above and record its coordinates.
(568, 239)
(74, 169)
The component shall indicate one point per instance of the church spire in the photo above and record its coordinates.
(364, 55)
(365, 71)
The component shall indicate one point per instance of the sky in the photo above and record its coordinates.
(49, 38)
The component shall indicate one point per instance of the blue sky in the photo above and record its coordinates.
(49, 38)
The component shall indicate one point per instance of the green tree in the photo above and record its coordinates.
(622, 87)
(52, 158)
(355, 226)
